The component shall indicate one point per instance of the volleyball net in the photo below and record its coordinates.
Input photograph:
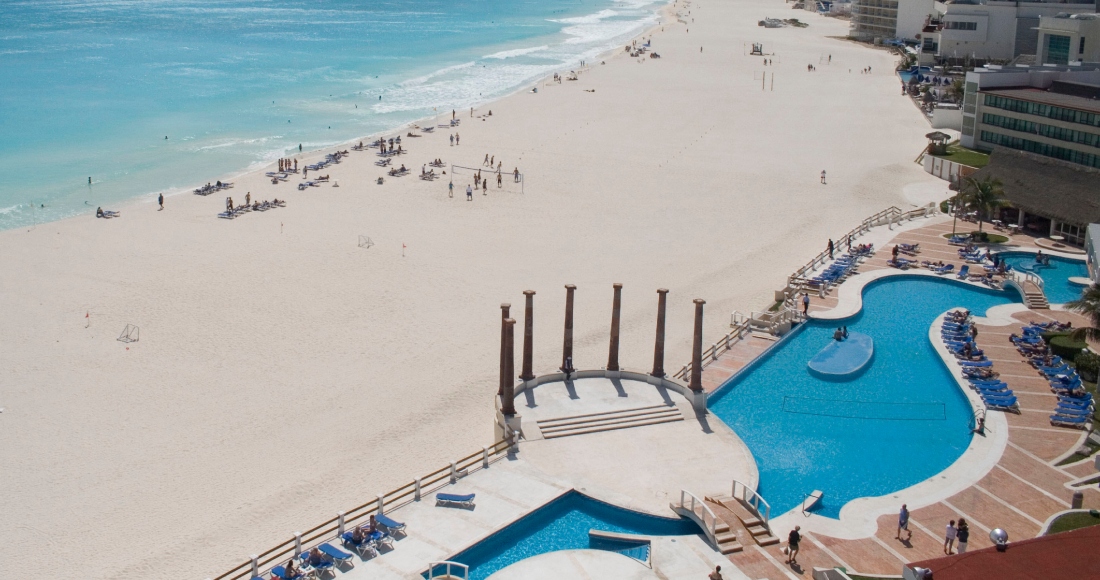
(508, 183)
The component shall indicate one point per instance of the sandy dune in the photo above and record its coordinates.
(284, 374)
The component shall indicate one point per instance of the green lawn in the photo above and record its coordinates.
(960, 154)
(1074, 521)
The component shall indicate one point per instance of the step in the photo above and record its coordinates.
(766, 541)
(612, 427)
(556, 419)
(758, 530)
(607, 419)
(671, 412)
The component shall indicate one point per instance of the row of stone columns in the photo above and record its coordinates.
(506, 389)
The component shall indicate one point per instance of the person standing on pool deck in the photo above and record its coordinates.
(949, 537)
(792, 545)
(963, 535)
(805, 302)
(903, 523)
(469, 193)
(716, 574)
(830, 248)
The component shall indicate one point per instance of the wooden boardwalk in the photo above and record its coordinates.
(1023, 489)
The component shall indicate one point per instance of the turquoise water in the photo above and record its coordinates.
(92, 87)
(1055, 276)
(563, 524)
(901, 421)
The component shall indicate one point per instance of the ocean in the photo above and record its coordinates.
(150, 96)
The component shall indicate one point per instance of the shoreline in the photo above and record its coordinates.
(276, 337)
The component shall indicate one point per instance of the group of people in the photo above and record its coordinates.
(285, 166)
(840, 334)
(455, 139)
(865, 71)
(955, 536)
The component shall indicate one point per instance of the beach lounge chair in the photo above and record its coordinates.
(337, 555)
(391, 525)
(366, 546)
(1064, 421)
(976, 363)
(317, 569)
(445, 499)
(1006, 404)
(280, 572)
(1072, 411)
(946, 269)
(964, 272)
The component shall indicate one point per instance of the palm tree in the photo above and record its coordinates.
(982, 196)
(1089, 305)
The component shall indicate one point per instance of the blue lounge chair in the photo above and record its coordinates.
(316, 569)
(1068, 421)
(976, 363)
(391, 525)
(338, 556)
(1072, 412)
(963, 272)
(280, 572)
(366, 546)
(466, 500)
(945, 269)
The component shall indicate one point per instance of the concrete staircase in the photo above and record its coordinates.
(752, 525)
(1034, 297)
(608, 421)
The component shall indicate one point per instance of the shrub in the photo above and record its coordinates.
(1064, 347)
(1088, 365)
(944, 206)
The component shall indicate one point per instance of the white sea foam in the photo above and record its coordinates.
(517, 52)
(588, 18)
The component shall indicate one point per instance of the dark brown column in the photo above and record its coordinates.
(613, 351)
(508, 397)
(696, 383)
(504, 307)
(567, 343)
(659, 345)
(528, 334)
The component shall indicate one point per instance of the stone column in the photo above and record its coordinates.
(696, 383)
(504, 307)
(567, 343)
(528, 334)
(508, 397)
(659, 346)
(613, 351)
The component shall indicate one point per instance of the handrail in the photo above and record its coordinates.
(754, 500)
(330, 528)
(725, 343)
(708, 526)
(432, 566)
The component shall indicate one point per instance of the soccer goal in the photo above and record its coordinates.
(365, 242)
(130, 334)
(463, 176)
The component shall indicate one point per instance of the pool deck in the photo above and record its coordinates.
(1023, 488)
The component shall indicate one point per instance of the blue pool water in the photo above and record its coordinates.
(1055, 276)
(563, 524)
(92, 87)
(902, 421)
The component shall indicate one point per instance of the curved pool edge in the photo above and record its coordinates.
(859, 517)
(567, 561)
(850, 294)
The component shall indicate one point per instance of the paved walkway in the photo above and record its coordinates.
(1024, 488)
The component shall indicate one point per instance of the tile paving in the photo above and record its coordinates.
(1019, 493)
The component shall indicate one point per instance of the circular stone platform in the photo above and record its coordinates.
(1048, 244)
(1080, 281)
(843, 358)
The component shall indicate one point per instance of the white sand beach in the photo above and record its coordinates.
(284, 374)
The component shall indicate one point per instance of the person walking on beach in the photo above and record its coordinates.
(451, 189)
(452, 114)
(499, 183)
(457, 139)
(452, 140)
(515, 174)
(822, 176)
(160, 200)
(469, 193)
(792, 545)
(830, 248)
(903, 524)
(485, 187)
(805, 302)
(486, 162)
(949, 537)
(491, 161)
(963, 535)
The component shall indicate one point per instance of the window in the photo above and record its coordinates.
(957, 25)
(1081, 49)
(1054, 151)
(1057, 49)
(1049, 111)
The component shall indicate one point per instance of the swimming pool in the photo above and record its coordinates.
(563, 524)
(1055, 276)
(901, 421)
